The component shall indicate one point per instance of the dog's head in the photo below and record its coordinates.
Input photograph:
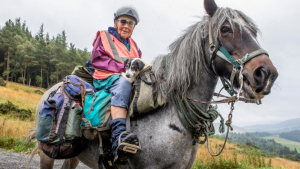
(133, 66)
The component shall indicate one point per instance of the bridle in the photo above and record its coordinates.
(196, 119)
(216, 49)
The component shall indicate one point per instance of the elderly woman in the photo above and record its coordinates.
(111, 49)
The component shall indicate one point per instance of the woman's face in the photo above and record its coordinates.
(124, 29)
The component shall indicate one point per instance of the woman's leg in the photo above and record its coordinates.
(121, 91)
(118, 112)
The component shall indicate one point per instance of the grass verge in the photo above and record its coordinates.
(13, 133)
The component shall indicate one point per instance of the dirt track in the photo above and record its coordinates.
(10, 160)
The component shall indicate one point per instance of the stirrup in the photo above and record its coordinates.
(129, 144)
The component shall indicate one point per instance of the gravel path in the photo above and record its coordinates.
(9, 160)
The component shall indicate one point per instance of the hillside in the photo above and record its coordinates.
(238, 156)
(21, 95)
(285, 126)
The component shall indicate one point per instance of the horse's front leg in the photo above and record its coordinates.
(70, 163)
(45, 161)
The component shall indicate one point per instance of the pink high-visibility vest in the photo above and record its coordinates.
(116, 50)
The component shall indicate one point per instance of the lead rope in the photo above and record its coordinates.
(231, 100)
(228, 124)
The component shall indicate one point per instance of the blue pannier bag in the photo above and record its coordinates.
(58, 127)
(75, 86)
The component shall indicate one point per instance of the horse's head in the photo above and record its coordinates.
(237, 33)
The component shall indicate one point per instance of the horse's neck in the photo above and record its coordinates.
(203, 89)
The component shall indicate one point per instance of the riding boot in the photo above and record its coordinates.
(123, 143)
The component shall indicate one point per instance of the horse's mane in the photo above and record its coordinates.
(182, 66)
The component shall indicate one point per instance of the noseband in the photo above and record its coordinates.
(218, 50)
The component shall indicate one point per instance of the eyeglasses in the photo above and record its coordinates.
(125, 21)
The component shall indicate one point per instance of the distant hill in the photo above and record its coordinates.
(285, 126)
(236, 129)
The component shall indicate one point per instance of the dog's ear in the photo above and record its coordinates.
(125, 62)
(140, 65)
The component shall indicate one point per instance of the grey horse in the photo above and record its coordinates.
(166, 142)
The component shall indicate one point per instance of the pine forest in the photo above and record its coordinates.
(38, 60)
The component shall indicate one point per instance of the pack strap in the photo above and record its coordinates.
(82, 88)
(128, 129)
(63, 123)
(62, 129)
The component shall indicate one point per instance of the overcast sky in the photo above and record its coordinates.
(162, 21)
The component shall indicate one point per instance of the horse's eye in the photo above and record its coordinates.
(225, 29)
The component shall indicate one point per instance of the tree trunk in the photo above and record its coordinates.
(56, 75)
(7, 69)
(41, 72)
(29, 81)
(48, 80)
(24, 75)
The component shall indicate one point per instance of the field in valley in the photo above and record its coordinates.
(291, 144)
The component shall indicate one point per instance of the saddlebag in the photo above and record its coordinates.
(145, 96)
(58, 127)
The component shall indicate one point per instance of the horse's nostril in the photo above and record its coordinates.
(261, 75)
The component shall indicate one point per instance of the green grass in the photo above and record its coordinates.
(291, 144)
(16, 144)
(253, 161)
(28, 89)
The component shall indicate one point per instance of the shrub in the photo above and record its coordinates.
(270, 163)
(2, 82)
(38, 80)
(38, 92)
(9, 108)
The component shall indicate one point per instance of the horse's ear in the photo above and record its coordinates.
(210, 7)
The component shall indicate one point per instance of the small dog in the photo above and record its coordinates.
(133, 67)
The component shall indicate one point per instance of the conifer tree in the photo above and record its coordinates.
(41, 51)
(7, 45)
(45, 60)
